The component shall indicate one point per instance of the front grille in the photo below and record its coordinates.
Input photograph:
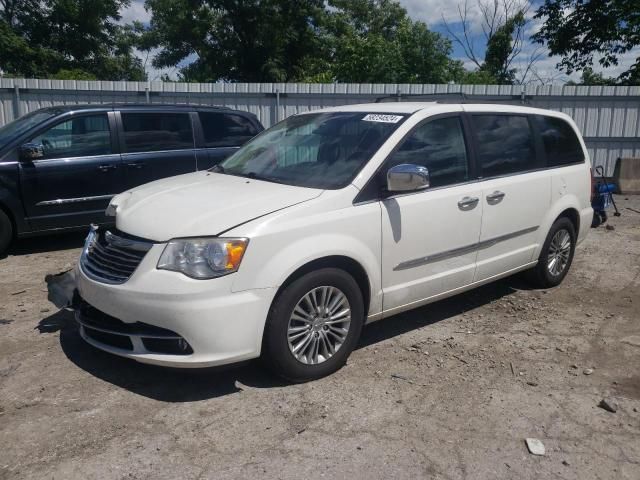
(112, 257)
(113, 332)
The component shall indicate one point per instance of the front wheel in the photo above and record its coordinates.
(313, 326)
(556, 255)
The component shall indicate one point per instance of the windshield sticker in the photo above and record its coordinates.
(377, 117)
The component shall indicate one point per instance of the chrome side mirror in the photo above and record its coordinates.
(407, 178)
(31, 151)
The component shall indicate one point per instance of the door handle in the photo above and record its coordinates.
(467, 203)
(137, 165)
(106, 168)
(495, 197)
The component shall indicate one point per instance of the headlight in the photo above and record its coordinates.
(203, 258)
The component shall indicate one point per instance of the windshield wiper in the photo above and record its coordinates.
(217, 169)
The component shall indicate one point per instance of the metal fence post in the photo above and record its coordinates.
(277, 105)
(17, 108)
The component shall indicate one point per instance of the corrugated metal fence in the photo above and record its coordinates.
(609, 117)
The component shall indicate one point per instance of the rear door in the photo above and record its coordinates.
(429, 237)
(516, 191)
(222, 134)
(80, 172)
(156, 145)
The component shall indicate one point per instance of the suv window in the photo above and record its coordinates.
(505, 144)
(78, 137)
(226, 129)
(439, 146)
(149, 132)
(561, 145)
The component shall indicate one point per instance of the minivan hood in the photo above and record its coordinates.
(201, 204)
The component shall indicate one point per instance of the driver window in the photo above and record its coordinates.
(78, 137)
(439, 146)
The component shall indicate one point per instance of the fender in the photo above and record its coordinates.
(566, 202)
(312, 237)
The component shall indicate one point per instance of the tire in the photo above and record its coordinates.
(6, 233)
(547, 274)
(306, 325)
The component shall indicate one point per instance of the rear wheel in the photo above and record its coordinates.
(6, 232)
(556, 255)
(314, 325)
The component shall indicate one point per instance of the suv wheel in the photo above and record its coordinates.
(313, 326)
(6, 232)
(556, 255)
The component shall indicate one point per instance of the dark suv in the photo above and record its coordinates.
(59, 166)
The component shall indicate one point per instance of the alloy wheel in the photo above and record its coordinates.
(559, 252)
(319, 325)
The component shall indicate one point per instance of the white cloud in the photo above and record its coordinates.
(134, 12)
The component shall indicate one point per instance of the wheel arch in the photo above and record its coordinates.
(342, 262)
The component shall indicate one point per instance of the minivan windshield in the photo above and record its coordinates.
(12, 129)
(316, 150)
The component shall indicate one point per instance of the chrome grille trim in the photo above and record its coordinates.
(111, 258)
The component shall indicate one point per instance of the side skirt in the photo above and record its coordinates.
(450, 293)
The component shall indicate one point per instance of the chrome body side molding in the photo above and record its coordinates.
(65, 201)
(416, 262)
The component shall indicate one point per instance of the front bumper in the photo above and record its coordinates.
(219, 325)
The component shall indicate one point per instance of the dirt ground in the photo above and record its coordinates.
(449, 391)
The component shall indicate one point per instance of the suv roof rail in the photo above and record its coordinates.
(453, 97)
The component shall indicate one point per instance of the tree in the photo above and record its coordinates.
(65, 38)
(376, 41)
(581, 31)
(589, 77)
(306, 40)
(503, 24)
(251, 40)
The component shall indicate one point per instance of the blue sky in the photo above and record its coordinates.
(433, 12)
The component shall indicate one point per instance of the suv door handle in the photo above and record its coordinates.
(495, 197)
(467, 203)
(106, 168)
(137, 165)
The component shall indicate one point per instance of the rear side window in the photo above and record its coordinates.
(226, 129)
(149, 132)
(505, 144)
(79, 137)
(439, 146)
(561, 145)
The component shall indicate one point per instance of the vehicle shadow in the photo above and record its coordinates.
(47, 243)
(187, 385)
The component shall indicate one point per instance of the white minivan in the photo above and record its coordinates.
(327, 221)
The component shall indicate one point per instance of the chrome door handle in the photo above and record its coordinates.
(467, 203)
(106, 168)
(137, 165)
(495, 197)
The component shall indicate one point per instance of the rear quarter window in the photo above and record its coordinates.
(561, 144)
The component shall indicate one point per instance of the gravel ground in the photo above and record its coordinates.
(449, 391)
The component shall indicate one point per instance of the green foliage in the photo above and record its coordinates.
(63, 38)
(306, 40)
(579, 31)
(498, 55)
(589, 77)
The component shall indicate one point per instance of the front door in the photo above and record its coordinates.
(516, 192)
(156, 145)
(429, 237)
(72, 184)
